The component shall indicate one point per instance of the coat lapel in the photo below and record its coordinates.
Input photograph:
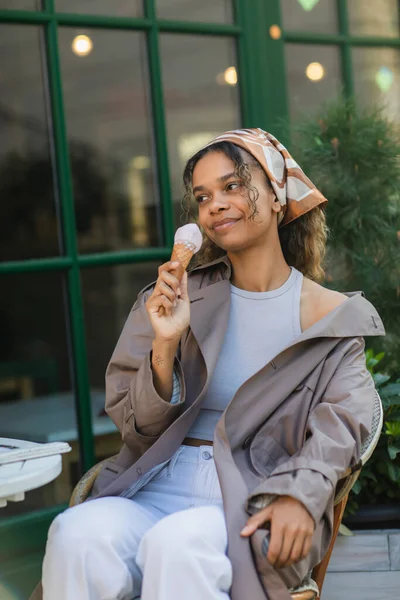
(209, 316)
(353, 318)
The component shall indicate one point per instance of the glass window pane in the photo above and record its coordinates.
(313, 75)
(36, 398)
(110, 139)
(28, 220)
(109, 294)
(116, 8)
(207, 11)
(200, 104)
(374, 18)
(20, 5)
(319, 16)
(377, 77)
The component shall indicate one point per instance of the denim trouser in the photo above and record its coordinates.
(166, 543)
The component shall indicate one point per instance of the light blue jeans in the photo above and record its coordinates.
(166, 543)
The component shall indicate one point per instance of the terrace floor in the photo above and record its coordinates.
(365, 566)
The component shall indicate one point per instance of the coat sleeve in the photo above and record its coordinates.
(336, 429)
(132, 401)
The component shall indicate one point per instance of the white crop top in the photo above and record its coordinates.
(260, 326)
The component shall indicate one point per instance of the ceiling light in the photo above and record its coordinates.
(229, 76)
(141, 162)
(315, 71)
(82, 45)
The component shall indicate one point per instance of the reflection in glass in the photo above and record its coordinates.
(109, 294)
(116, 8)
(110, 140)
(210, 11)
(377, 77)
(319, 16)
(36, 399)
(201, 97)
(28, 223)
(374, 18)
(20, 4)
(82, 45)
(313, 76)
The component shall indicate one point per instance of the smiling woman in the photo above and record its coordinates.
(95, 133)
(222, 437)
(224, 202)
(248, 185)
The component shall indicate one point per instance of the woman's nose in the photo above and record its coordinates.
(218, 204)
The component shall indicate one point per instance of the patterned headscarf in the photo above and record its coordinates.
(295, 192)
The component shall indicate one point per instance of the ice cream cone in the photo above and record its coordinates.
(187, 242)
(182, 252)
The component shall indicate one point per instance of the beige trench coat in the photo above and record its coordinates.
(293, 428)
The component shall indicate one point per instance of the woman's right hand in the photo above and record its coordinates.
(168, 306)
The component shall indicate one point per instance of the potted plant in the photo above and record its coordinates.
(375, 497)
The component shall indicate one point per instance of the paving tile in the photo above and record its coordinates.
(384, 585)
(394, 549)
(374, 531)
(360, 553)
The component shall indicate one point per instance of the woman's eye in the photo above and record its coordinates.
(200, 199)
(232, 186)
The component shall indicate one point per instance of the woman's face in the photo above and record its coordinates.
(223, 208)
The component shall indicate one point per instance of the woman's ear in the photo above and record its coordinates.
(276, 205)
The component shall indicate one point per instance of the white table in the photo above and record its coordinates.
(52, 418)
(20, 477)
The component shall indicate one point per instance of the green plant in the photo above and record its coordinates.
(379, 481)
(352, 154)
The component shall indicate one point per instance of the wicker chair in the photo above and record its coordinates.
(311, 587)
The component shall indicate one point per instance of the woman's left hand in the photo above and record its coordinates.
(291, 526)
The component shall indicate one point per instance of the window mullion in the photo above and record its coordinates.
(272, 76)
(244, 66)
(160, 127)
(347, 66)
(75, 304)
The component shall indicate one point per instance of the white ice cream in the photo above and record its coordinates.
(189, 233)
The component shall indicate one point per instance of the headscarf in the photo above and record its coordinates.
(295, 192)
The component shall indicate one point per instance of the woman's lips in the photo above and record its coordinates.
(225, 226)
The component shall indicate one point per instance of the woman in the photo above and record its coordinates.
(247, 361)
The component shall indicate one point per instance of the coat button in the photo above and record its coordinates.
(247, 442)
(206, 455)
(139, 471)
(299, 387)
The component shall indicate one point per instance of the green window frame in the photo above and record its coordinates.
(345, 41)
(23, 537)
(264, 103)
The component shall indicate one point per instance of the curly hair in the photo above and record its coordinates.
(303, 240)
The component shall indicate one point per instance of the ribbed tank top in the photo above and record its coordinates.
(260, 326)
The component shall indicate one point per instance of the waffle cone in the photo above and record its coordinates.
(182, 253)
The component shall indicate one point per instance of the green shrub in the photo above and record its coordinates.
(352, 155)
(379, 481)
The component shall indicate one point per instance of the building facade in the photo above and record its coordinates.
(101, 104)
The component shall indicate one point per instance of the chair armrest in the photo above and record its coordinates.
(84, 486)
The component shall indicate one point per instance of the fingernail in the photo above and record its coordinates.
(245, 530)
